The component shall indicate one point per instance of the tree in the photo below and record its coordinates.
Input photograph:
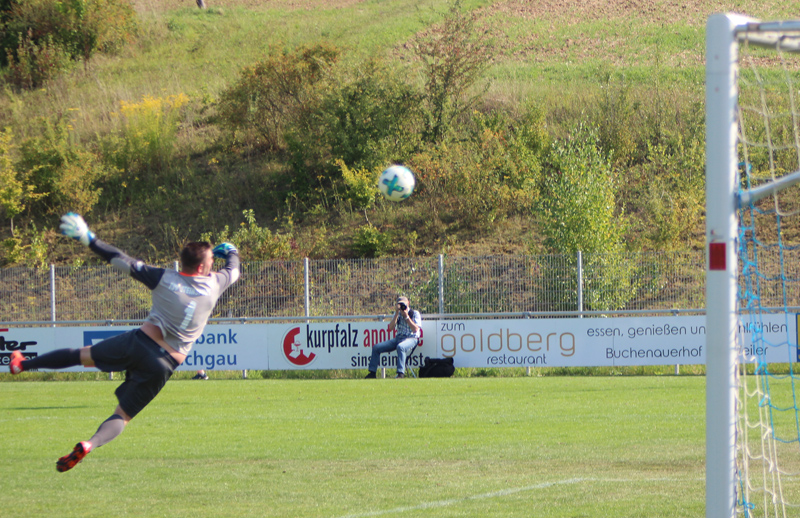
(580, 214)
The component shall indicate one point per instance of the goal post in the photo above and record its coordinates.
(726, 194)
(721, 263)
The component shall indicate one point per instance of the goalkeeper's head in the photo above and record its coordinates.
(196, 258)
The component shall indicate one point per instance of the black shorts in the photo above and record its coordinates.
(146, 364)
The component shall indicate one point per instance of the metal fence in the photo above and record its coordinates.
(328, 288)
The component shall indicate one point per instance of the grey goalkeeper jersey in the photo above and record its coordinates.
(182, 304)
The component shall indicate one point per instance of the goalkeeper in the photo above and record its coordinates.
(181, 305)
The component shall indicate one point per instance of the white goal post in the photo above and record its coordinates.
(723, 199)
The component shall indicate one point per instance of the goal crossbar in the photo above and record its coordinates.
(754, 195)
(783, 35)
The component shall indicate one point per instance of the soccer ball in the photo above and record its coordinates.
(397, 183)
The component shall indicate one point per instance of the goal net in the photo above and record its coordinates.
(753, 267)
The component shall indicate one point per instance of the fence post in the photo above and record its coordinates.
(53, 293)
(441, 284)
(307, 295)
(580, 283)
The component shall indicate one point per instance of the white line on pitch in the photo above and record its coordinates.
(445, 503)
(505, 492)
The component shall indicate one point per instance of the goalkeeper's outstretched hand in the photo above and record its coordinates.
(73, 225)
(223, 250)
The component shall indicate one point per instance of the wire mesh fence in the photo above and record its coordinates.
(340, 287)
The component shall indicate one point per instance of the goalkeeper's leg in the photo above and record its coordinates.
(109, 430)
(58, 359)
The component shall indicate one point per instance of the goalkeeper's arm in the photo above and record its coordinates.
(73, 225)
(230, 273)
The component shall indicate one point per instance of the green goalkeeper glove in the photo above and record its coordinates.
(223, 250)
(73, 225)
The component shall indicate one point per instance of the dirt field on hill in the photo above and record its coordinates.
(687, 11)
(169, 5)
(690, 12)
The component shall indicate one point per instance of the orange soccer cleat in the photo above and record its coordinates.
(16, 362)
(67, 462)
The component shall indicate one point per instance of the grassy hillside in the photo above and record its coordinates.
(632, 70)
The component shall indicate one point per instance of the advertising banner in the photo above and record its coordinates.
(540, 342)
(343, 345)
(601, 342)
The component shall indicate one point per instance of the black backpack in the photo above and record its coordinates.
(437, 368)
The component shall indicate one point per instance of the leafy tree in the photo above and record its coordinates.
(578, 197)
(580, 214)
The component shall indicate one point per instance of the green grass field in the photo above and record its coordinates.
(546, 447)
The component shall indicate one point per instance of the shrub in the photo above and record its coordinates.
(273, 94)
(454, 55)
(64, 175)
(78, 27)
(674, 196)
(255, 243)
(148, 134)
(494, 174)
(580, 214)
(367, 120)
(579, 197)
(615, 120)
(33, 64)
(28, 248)
(371, 242)
(360, 186)
(15, 191)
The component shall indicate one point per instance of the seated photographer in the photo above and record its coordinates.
(408, 323)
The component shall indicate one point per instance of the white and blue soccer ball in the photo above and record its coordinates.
(397, 183)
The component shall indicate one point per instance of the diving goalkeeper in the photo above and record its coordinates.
(182, 302)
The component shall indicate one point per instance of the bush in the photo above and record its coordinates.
(78, 27)
(367, 120)
(580, 214)
(305, 106)
(674, 196)
(28, 248)
(273, 94)
(34, 63)
(255, 243)
(371, 242)
(149, 131)
(579, 197)
(360, 186)
(15, 191)
(494, 174)
(64, 175)
(454, 55)
(40, 38)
